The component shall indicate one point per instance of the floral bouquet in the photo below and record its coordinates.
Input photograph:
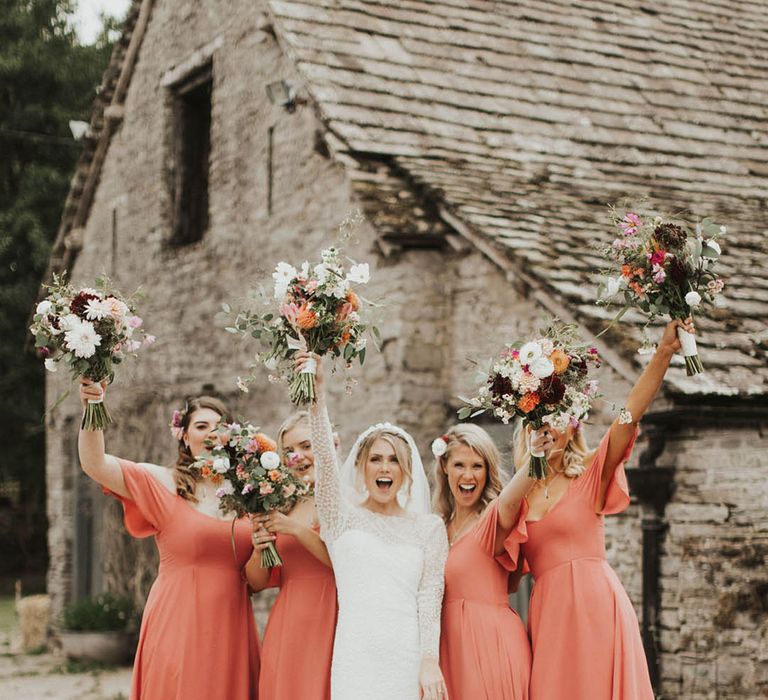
(246, 466)
(543, 381)
(318, 311)
(663, 268)
(91, 330)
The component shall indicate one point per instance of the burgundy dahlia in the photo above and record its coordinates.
(678, 272)
(78, 303)
(500, 385)
(551, 390)
(670, 236)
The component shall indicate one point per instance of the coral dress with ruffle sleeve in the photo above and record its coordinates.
(198, 637)
(484, 649)
(584, 632)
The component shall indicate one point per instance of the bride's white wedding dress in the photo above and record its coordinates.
(389, 577)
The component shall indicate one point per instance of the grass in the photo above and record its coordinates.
(7, 613)
(92, 667)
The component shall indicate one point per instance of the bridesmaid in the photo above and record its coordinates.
(198, 615)
(302, 622)
(484, 648)
(584, 632)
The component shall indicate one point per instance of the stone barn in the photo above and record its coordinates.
(482, 142)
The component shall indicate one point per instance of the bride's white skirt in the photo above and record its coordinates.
(376, 654)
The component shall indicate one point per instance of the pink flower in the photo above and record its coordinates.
(135, 321)
(715, 286)
(289, 311)
(148, 340)
(289, 490)
(630, 223)
(247, 489)
(265, 488)
(658, 257)
(659, 275)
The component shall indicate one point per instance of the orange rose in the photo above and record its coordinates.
(217, 479)
(353, 300)
(528, 402)
(306, 318)
(275, 475)
(626, 270)
(206, 471)
(265, 444)
(560, 360)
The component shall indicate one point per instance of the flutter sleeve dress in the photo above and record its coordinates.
(584, 632)
(198, 637)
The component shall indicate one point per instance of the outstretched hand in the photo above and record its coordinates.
(302, 357)
(91, 391)
(669, 341)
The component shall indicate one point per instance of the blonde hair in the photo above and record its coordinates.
(289, 424)
(397, 443)
(573, 456)
(477, 439)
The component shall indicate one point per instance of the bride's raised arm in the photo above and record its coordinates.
(430, 603)
(329, 497)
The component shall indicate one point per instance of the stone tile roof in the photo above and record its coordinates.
(523, 119)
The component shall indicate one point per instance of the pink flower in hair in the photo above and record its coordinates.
(176, 428)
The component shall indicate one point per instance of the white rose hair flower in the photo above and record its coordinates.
(440, 446)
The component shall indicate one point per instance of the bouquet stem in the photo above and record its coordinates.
(270, 557)
(302, 388)
(538, 466)
(690, 352)
(96, 416)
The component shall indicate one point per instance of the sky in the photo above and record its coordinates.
(86, 18)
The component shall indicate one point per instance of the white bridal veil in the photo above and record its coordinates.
(415, 500)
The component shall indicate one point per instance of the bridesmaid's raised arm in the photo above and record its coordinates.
(511, 498)
(94, 461)
(640, 398)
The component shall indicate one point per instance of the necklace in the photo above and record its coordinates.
(546, 485)
(459, 531)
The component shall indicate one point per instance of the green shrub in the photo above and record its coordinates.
(102, 613)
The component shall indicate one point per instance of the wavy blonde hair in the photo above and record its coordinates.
(398, 444)
(185, 475)
(573, 456)
(287, 425)
(477, 439)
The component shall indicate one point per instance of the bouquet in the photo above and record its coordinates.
(91, 330)
(544, 381)
(246, 466)
(662, 268)
(318, 311)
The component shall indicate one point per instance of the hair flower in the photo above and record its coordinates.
(440, 446)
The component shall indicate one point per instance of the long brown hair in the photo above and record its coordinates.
(186, 476)
(477, 439)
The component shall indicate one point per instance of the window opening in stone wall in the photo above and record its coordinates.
(191, 100)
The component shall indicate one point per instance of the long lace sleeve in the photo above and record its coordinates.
(329, 498)
(430, 595)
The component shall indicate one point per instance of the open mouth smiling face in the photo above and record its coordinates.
(383, 474)
(467, 474)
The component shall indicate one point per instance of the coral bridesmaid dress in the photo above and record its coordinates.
(584, 632)
(198, 637)
(298, 642)
(484, 649)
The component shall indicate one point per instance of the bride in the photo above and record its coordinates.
(388, 553)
